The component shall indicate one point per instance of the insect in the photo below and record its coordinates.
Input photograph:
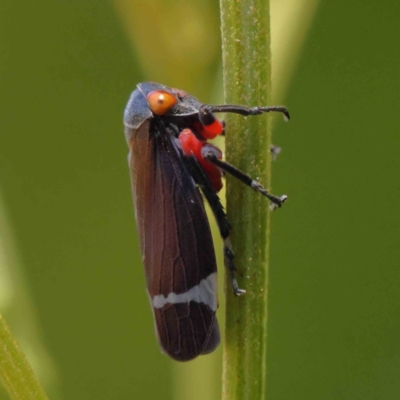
(170, 159)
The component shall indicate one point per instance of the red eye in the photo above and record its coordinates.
(160, 101)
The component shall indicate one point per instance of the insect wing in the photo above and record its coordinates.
(176, 243)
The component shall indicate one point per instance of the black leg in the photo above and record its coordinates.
(219, 213)
(228, 257)
(246, 179)
(205, 110)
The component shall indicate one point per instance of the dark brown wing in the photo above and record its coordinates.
(176, 243)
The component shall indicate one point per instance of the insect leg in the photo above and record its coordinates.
(246, 179)
(205, 110)
(218, 210)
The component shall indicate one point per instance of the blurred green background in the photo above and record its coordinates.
(71, 281)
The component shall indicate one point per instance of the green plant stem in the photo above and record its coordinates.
(16, 374)
(247, 81)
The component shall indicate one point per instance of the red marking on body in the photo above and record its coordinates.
(214, 129)
(210, 131)
(192, 146)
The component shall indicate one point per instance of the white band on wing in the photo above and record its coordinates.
(205, 292)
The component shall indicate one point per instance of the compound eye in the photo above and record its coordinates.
(161, 101)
